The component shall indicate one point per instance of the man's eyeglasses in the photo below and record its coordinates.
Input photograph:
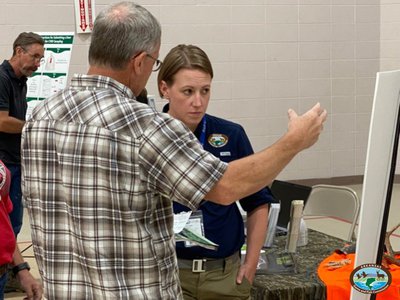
(35, 57)
(157, 64)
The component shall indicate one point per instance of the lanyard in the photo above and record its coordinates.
(202, 138)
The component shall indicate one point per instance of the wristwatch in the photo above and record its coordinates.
(20, 267)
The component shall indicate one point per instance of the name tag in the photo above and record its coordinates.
(225, 153)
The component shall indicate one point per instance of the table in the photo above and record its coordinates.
(305, 285)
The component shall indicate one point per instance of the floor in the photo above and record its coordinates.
(327, 225)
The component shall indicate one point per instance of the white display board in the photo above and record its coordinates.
(382, 136)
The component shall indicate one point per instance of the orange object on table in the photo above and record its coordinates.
(337, 281)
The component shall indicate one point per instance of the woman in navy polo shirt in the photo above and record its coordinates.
(184, 80)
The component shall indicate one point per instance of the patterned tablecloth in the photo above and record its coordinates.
(305, 284)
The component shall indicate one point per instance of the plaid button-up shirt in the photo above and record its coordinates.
(99, 173)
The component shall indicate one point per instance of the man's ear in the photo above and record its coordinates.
(19, 50)
(137, 62)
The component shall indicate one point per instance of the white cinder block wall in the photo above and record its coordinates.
(268, 56)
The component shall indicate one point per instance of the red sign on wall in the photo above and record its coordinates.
(84, 15)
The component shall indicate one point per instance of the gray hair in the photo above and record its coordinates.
(121, 31)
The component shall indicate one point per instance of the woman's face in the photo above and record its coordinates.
(188, 96)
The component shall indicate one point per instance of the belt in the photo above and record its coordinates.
(207, 264)
(3, 269)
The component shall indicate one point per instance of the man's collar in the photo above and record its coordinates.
(100, 81)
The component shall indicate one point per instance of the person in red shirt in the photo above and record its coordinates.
(9, 252)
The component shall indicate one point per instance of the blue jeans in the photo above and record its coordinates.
(3, 281)
(17, 213)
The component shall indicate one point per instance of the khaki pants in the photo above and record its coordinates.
(216, 284)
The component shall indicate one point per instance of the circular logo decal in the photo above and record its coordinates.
(217, 140)
(370, 278)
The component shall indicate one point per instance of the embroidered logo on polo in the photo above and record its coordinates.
(217, 140)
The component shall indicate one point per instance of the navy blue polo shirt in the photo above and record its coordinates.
(13, 100)
(223, 224)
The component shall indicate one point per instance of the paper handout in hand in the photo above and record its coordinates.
(191, 232)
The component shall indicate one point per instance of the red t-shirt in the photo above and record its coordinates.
(7, 238)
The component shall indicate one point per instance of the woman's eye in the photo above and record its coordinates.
(187, 92)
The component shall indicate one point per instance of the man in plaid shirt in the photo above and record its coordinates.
(100, 170)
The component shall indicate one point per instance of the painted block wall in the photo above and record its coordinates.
(268, 56)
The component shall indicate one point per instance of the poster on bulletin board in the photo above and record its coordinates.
(52, 74)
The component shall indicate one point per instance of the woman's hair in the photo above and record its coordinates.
(183, 57)
(121, 31)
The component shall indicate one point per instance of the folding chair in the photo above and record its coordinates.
(334, 201)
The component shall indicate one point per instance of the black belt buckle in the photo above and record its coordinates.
(199, 265)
